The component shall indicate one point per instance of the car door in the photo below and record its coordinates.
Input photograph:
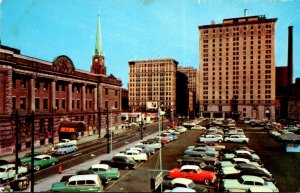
(194, 175)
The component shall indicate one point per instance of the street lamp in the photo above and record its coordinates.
(141, 126)
(53, 110)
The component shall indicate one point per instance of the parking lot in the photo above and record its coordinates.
(283, 166)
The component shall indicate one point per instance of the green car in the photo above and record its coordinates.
(79, 183)
(27, 157)
(42, 161)
(104, 169)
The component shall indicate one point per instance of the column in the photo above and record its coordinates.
(32, 94)
(53, 94)
(95, 91)
(69, 97)
(83, 97)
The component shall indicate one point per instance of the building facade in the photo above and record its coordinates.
(152, 80)
(40, 96)
(237, 68)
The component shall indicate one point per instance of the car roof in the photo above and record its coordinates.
(105, 166)
(190, 167)
(42, 156)
(7, 166)
(85, 177)
(182, 189)
(181, 181)
(252, 178)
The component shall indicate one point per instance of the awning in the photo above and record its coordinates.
(70, 127)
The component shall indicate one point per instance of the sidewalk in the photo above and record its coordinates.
(46, 183)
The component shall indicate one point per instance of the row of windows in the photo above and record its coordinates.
(240, 102)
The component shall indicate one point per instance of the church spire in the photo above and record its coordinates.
(98, 47)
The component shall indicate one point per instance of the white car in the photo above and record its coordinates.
(235, 161)
(180, 129)
(199, 127)
(8, 171)
(237, 139)
(246, 181)
(211, 138)
(134, 154)
(237, 153)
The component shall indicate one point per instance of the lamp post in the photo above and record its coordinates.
(107, 131)
(141, 126)
(53, 110)
(16, 116)
(32, 152)
(99, 122)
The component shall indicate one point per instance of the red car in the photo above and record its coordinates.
(194, 173)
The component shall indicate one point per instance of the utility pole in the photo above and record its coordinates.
(108, 135)
(17, 143)
(99, 122)
(32, 153)
(141, 125)
(159, 133)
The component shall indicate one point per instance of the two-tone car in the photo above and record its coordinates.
(105, 169)
(7, 172)
(194, 173)
(211, 138)
(170, 184)
(79, 183)
(42, 161)
(65, 149)
(204, 150)
(236, 139)
(134, 154)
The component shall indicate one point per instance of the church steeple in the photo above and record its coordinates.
(98, 47)
(98, 66)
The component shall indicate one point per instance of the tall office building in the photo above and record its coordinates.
(237, 68)
(152, 81)
(193, 79)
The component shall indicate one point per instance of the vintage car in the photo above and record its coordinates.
(247, 181)
(180, 129)
(211, 138)
(199, 128)
(234, 161)
(27, 157)
(120, 162)
(145, 150)
(235, 148)
(103, 177)
(194, 173)
(154, 144)
(66, 148)
(135, 154)
(172, 131)
(243, 154)
(42, 161)
(109, 172)
(216, 146)
(79, 183)
(200, 156)
(7, 172)
(205, 150)
(170, 184)
(237, 139)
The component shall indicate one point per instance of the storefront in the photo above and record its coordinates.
(71, 130)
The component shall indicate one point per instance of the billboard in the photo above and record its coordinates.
(151, 105)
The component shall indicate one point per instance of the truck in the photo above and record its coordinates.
(74, 141)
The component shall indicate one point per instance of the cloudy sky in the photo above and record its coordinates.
(133, 29)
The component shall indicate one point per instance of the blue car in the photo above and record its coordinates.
(66, 148)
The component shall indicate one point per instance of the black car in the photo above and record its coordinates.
(120, 162)
(103, 177)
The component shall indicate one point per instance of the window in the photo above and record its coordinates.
(23, 83)
(106, 91)
(106, 104)
(37, 104)
(116, 93)
(46, 85)
(57, 103)
(14, 103)
(116, 104)
(73, 104)
(63, 103)
(37, 84)
(45, 104)
(78, 104)
(23, 103)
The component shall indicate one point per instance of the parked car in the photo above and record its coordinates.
(66, 148)
(194, 173)
(7, 172)
(237, 139)
(232, 162)
(207, 151)
(243, 154)
(170, 184)
(200, 156)
(109, 172)
(120, 162)
(180, 129)
(42, 161)
(211, 138)
(145, 150)
(199, 128)
(27, 157)
(246, 181)
(235, 148)
(103, 177)
(134, 154)
(79, 183)
(154, 144)
(216, 146)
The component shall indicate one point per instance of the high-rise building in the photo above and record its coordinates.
(152, 81)
(237, 68)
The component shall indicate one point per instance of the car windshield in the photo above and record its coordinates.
(240, 180)
(2, 170)
(191, 185)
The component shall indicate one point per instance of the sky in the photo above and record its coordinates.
(133, 29)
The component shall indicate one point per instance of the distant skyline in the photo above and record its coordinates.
(133, 29)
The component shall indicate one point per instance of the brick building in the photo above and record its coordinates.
(67, 102)
(237, 68)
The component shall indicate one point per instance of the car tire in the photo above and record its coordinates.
(37, 168)
(206, 181)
